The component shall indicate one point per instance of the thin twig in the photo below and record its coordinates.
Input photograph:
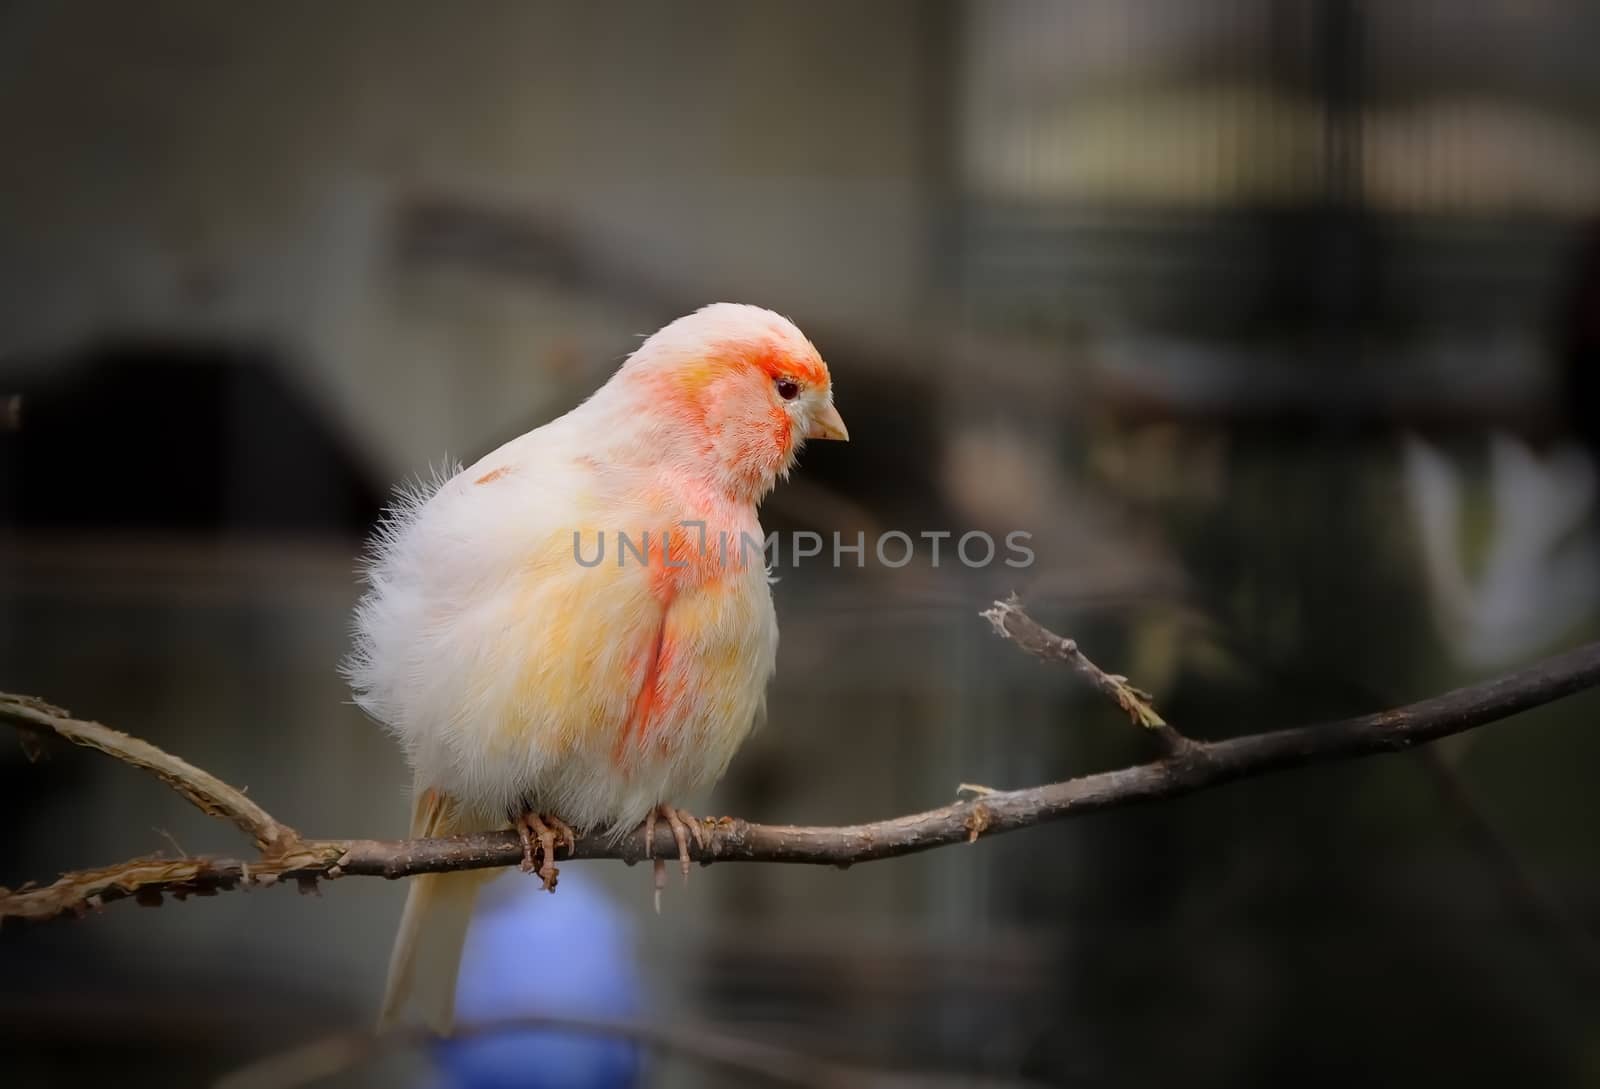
(210, 794)
(1195, 766)
(1012, 622)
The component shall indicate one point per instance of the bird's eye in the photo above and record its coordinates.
(788, 388)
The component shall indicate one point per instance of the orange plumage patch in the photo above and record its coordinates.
(680, 562)
(646, 700)
(777, 362)
(772, 359)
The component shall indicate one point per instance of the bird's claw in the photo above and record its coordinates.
(684, 826)
(547, 831)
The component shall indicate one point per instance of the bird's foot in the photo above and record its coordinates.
(684, 826)
(546, 831)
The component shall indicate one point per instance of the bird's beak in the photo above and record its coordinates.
(828, 425)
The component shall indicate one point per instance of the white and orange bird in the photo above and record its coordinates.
(528, 683)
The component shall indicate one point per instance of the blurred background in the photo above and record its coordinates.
(1277, 324)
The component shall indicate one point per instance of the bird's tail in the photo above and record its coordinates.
(433, 930)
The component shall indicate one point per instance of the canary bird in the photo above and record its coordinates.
(578, 628)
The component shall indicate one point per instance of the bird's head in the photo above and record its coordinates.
(734, 391)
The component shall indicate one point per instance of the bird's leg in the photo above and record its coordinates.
(547, 831)
(683, 824)
(565, 836)
(658, 875)
(523, 834)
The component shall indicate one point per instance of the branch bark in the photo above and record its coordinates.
(1012, 622)
(1187, 766)
(208, 793)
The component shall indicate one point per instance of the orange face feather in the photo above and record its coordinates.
(721, 396)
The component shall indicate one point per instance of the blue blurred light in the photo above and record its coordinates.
(528, 953)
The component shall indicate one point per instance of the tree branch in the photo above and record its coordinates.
(210, 794)
(1012, 622)
(1188, 766)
